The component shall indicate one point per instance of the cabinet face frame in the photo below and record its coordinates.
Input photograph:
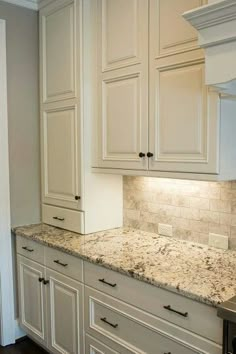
(72, 90)
(38, 271)
(75, 290)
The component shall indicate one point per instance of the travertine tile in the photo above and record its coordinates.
(190, 213)
(199, 203)
(220, 205)
(209, 216)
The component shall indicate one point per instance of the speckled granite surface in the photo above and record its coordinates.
(204, 274)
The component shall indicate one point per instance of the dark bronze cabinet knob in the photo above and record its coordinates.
(149, 154)
(77, 197)
(141, 154)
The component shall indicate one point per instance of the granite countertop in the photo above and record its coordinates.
(202, 273)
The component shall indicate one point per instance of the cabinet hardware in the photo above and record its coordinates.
(77, 197)
(45, 282)
(60, 263)
(103, 319)
(107, 283)
(58, 218)
(28, 249)
(141, 154)
(168, 307)
(41, 279)
(149, 154)
(168, 353)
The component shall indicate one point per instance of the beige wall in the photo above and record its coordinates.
(193, 208)
(23, 112)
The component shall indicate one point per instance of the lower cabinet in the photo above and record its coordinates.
(51, 307)
(93, 346)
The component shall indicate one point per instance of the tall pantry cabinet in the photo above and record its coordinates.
(73, 198)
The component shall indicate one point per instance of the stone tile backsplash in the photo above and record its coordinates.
(193, 208)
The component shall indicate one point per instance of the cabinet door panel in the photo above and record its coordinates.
(93, 346)
(65, 311)
(123, 83)
(32, 299)
(184, 120)
(61, 157)
(58, 52)
(166, 15)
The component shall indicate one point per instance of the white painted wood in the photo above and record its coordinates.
(7, 329)
(216, 25)
(184, 120)
(93, 346)
(64, 218)
(69, 265)
(65, 309)
(183, 38)
(73, 175)
(32, 299)
(152, 300)
(61, 157)
(58, 50)
(30, 249)
(135, 331)
(122, 83)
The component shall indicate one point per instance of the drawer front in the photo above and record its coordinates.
(64, 218)
(174, 308)
(30, 249)
(126, 328)
(93, 346)
(64, 263)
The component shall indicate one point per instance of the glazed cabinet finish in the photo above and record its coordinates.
(122, 82)
(50, 303)
(32, 299)
(59, 294)
(64, 298)
(60, 118)
(180, 116)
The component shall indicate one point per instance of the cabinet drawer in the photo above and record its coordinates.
(187, 313)
(30, 249)
(129, 330)
(64, 218)
(64, 263)
(92, 346)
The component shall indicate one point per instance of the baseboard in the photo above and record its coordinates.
(19, 333)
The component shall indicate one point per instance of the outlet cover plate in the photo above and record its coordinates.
(218, 241)
(165, 230)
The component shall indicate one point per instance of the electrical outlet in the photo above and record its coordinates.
(165, 229)
(218, 241)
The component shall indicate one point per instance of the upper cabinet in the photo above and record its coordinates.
(66, 97)
(156, 115)
(122, 82)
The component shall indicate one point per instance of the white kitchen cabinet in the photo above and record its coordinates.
(32, 299)
(64, 299)
(122, 83)
(93, 346)
(187, 121)
(66, 95)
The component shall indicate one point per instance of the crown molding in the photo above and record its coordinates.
(30, 4)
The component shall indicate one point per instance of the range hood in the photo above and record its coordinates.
(216, 26)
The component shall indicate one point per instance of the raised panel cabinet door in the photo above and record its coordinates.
(58, 54)
(184, 120)
(170, 32)
(32, 299)
(65, 312)
(122, 83)
(61, 156)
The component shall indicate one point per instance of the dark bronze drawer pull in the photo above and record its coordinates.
(168, 307)
(168, 353)
(28, 249)
(58, 218)
(109, 323)
(60, 263)
(107, 283)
